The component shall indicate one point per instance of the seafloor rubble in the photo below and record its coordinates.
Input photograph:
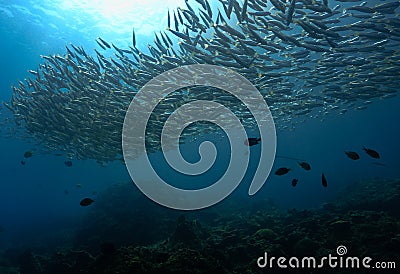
(229, 239)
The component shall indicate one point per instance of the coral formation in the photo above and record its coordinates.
(219, 240)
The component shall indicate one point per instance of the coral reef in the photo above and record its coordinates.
(229, 241)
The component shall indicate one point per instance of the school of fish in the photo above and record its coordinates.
(306, 57)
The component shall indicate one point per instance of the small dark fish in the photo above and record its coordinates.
(100, 44)
(86, 202)
(252, 141)
(176, 23)
(243, 15)
(294, 182)
(107, 45)
(133, 38)
(352, 155)
(372, 153)
(282, 171)
(23, 162)
(28, 154)
(168, 20)
(290, 12)
(68, 163)
(324, 181)
(305, 165)
(66, 192)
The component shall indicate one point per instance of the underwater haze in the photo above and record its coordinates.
(67, 200)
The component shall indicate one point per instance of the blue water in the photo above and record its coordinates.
(44, 194)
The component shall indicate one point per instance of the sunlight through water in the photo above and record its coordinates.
(121, 15)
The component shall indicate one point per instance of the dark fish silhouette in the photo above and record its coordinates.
(305, 165)
(169, 20)
(282, 171)
(352, 155)
(290, 12)
(86, 202)
(23, 162)
(294, 182)
(68, 163)
(324, 181)
(372, 153)
(133, 38)
(28, 154)
(107, 45)
(252, 141)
